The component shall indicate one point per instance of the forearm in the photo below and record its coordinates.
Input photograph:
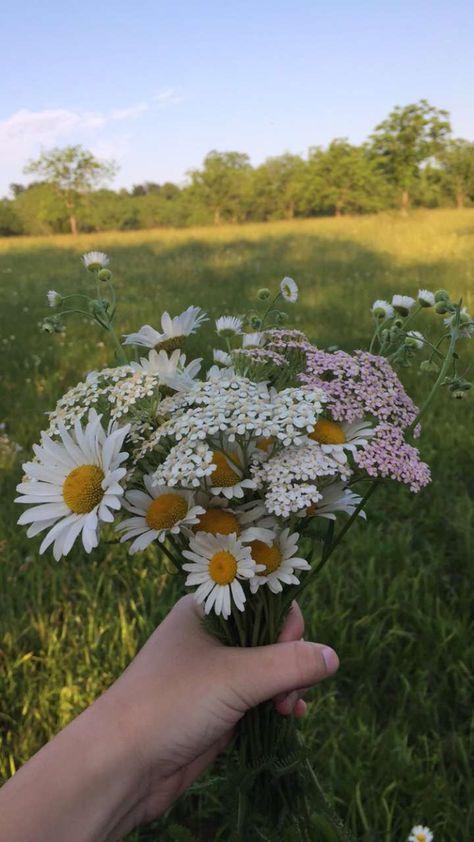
(82, 786)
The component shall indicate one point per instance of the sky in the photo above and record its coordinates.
(155, 84)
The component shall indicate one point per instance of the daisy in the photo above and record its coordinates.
(402, 304)
(174, 330)
(216, 563)
(250, 522)
(157, 512)
(227, 478)
(95, 260)
(420, 834)
(382, 309)
(54, 298)
(221, 357)
(426, 298)
(415, 339)
(171, 369)
(228, 326)
(74, 485)
(466, 324)
(334, 436)
(289, 290)
(277, 562)
(335, 497)
(252, 340)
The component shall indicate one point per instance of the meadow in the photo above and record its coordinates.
(391, 736)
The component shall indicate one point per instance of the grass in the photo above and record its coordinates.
(390, 737)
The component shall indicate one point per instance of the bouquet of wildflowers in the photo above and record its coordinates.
(246, 476)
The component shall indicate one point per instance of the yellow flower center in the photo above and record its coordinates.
(223, 476)
(218, 522)
(82, 489)
(166, 511)
(420, 837)
(265, 444)
(171, 344)
(328, 432)
(311, 509)
(223, 567)
(269, 556)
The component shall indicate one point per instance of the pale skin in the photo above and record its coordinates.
(126, 758)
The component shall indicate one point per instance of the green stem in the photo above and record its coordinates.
(438, 381)
(120, 353)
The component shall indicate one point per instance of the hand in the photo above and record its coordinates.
(124, 760)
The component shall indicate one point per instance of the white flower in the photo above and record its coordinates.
(334, 436)
(289, 290)
(420, 834)
(174, 330)
(171, 369)
(228, 326)
(95, 260)
(249, 522)
(216, 563)
(157, 512)
(74, 485)
(415, 339)
(335, 497)
(382, 309)
(252, 340)
(227, 478)
(54, 298)
(278, 562)
(466, 324)
(426, 298)
(222, 357)
(403, 304)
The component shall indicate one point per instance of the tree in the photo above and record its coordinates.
(342, 179)
(72, 172)
(277, 186)
(405, 140)
(457, 163)
(223, 184)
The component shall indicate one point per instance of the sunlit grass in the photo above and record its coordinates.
(390, 736)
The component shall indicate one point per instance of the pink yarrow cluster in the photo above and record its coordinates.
(388, 455)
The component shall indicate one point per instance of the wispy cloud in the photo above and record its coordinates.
(25, 131)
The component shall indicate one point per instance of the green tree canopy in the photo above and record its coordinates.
(72, 172)
(224, 184)
(405, 140)
(457, 163)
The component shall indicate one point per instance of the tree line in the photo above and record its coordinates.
(410, 160)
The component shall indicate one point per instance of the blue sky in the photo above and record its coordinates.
(157, 84)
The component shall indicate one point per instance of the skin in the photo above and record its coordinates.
(126, 758)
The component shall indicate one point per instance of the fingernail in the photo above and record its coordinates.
(330, 659)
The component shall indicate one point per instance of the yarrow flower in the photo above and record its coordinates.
(74, 485)
(227, 326)
(174, 331)
(419, 833)
(216, 563)
(95, 260)
(289, 290)
(388, 455)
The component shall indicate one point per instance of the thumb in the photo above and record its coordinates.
(261, 672)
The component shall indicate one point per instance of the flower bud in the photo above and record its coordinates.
(255, 322)
(104, 275)
(281, 317)
(414, 339)
(440, 307)
(47, 326)
(441, 295)
(429, 366)
(398, 324)
(263, 294)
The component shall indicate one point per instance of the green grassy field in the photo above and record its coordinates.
(390, 736)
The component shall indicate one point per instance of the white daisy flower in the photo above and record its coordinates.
(415, 339)
(221, 357)
(426, 298)
(228, 326)
(227, 477)
(95, 260)
(250, 522)
(74, 485)
(252, 340)
(420, 834)
(335, 497)
(171, 369)
(278, 561)
(466, 324)
(289, 290)
(341, 435)
(157, 512)
(54, 298)
(382, 309)
(216, 563)
(403, 304)
(174, 330)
